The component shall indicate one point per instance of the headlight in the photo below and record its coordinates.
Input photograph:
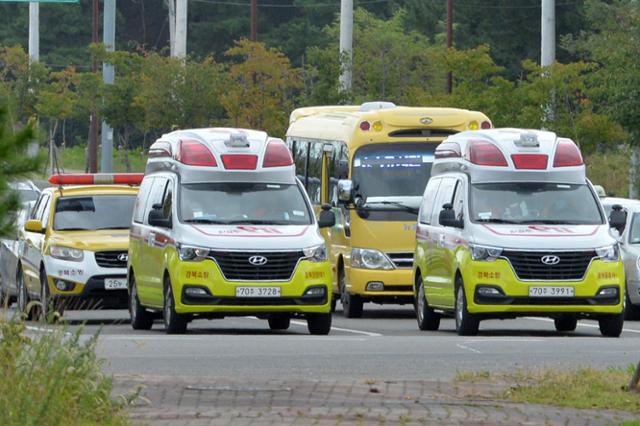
(484, 252)
(316, 253)
(608, 253)
(369, 259)
(66, 253)
(638, 263)
(192, 253)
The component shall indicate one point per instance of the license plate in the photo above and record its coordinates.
(549, 291)
(257, 291)
(115, 284)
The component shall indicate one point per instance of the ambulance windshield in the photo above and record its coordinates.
(227, 203)
(534, 203)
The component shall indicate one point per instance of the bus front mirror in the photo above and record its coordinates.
(345, 190)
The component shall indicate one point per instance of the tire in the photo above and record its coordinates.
(611, 326)
(466, 323)
(427, 318)
(141, 319)
(51, 309)
(631, 311)
(334, 301)
(319, 324)
(174, 323)
(279, 322)
(23, 297)
(351, 303)
(565, 323)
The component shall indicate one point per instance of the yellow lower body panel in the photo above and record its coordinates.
(397, 282)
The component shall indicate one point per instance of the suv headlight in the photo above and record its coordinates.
(370, 259)
(316, 253)
(192, 253)
(66, 253)
(485, 253)
(608, 253)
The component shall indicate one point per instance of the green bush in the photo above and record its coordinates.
(53, 378)
(611, 170)
(73, 159)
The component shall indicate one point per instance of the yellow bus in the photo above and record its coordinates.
(370, 163)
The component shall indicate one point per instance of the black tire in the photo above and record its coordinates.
(466, 324)
(334, 301)
(279, 322)
(141, 319)
(351, 303)
(565, 323)
(23, 301)
(631, 311)
(174, 323)
(51, 309)
(611, 326)
(427, 318)
(319, 324)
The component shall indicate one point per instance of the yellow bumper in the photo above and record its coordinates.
(222, 293)
(397, 282)
(500, 275)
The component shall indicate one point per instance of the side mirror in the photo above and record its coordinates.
(345, 191)
(617, 218)
(156, 218)
(448, 217)
(327, 219)
(33, 225)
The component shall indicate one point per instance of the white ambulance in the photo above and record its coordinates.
(223, 227)
(510, 226)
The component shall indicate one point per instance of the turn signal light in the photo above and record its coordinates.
(97, 179)
(567, 154)
(277, 155)
(194, 153)
(484, 153)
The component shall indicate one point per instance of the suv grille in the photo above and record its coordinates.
(112, 259)
(528, 265)
(279, 266)
(401, 260)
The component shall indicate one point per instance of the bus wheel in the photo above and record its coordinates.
(351, 303)
(466, 323)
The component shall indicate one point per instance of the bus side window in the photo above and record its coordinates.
(314, 171)
(299, 149)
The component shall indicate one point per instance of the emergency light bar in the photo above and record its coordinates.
(97, 179)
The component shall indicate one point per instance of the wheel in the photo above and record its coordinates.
(631, 311)
(23, 297)
(466, 323)
(141, 319)
(427, 318)
(565, 323)
(174, 323)
(611, 326)
(51, 309)
(334, 301)
(351, 303)
(279, 322)
(319, 324)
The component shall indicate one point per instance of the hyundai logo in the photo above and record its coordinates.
(258, 260)
(123, 257)
(550, 259)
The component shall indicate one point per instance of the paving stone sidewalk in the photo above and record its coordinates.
(212, 401)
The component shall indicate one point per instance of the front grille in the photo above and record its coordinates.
(111, 259)
(424, 133)
(401, 260)
(235, 265)
(528, 265)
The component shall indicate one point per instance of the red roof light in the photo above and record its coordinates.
(194, 153)
(240, 161)
(530, 161)
(484, 153)
(97, 179)
(277, 155)
(567, 154)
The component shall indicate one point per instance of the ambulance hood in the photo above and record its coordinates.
(542, 237)
(251, 237)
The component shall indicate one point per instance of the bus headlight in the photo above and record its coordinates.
(485, 253)
(608, 253)
(192, 253)
(369, 259)
(316, 253)
(66, 253)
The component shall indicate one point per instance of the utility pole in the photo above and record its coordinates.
(93, 131)
(34, 31)
(548, 33)
(108, 75)
(180, 49)
(171, 7)
(449, 41)
(254, 20)
(346, 44)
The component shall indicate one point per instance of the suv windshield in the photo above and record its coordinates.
(89, 213)
(534, 203)
(229, 203)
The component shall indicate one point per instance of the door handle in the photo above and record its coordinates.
(441, 240)
(151, 238)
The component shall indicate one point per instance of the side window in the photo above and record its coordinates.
(36, 208)
(141, 201)
(458, 200)
(428, 201)
(299, 149)
(445, 195)
(156, 195)
(338, 169)
(314, 171)
(168, 199)
(44, 214)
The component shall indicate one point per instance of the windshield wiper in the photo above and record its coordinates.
(496, 220)
(397, 204)
(256, 222)
(207, 221)
(552, 222)
(74, 229)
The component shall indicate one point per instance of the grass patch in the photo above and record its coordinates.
(74, 159)
(53, 379)
(580, 388)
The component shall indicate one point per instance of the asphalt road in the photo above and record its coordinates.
(384, 345)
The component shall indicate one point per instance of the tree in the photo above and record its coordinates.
(21, 83)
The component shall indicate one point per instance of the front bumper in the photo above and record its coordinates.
(397, 284)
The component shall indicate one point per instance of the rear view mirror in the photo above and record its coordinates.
(345, 191)
(327, 219)
(448, 217)
(33, 225)
(156, 218)
(617, 218)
